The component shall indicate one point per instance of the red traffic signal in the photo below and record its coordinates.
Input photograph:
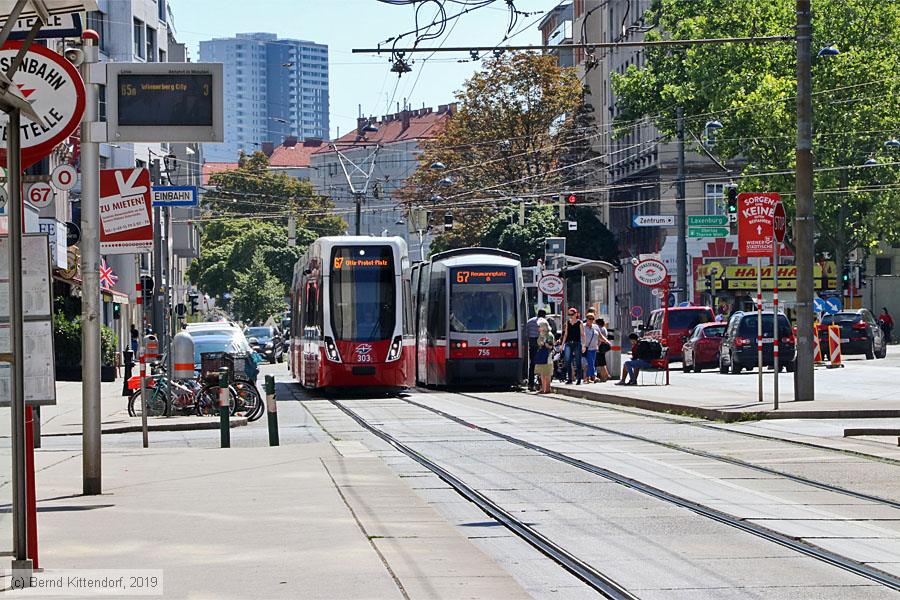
(572, 199)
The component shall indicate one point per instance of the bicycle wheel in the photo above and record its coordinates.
(157, 403)
(248, 400)
(207, 402)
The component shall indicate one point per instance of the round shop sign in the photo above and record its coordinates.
(651, 272)
(56, 92)
(550, 284)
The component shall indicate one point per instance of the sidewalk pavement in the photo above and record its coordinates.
(317, 520)
(861, 390)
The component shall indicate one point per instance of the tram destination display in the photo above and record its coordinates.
(482, 275)
(155, 102)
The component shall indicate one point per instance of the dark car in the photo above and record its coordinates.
(682, 320)
(701, 348)
(267, 342)
(860, 333)
(738, 350)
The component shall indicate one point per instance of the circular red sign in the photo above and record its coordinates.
(55, 90)
(779, 222)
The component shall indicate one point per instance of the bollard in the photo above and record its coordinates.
(224, 417)
(272, 410)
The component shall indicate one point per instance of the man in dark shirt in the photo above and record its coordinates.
(640, 359)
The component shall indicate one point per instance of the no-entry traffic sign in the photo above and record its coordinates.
(126, 224)
(756, 212)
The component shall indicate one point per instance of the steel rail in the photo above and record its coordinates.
(826, 556)
(583, 571)
(726, 459)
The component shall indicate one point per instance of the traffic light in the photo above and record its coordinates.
(194, 298)
(732, 200)
(117, 311)
(448, 221)
(147, 285)
(709, 283)
(861, 274)
(845, 278)
(571, 203)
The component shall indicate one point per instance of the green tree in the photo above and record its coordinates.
(751, 89)
(501, 144)
(258, 294)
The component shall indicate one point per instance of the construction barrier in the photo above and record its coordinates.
(817, 356)
(834, 346)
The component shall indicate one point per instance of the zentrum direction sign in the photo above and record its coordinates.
(55, 90)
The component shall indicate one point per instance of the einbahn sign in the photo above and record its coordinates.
(55, 90)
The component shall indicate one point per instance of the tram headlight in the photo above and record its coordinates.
(396, 349)
(331, 351)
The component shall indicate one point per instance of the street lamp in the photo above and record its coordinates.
(892, 144)
(871, 162)
(437, 166)
(711, 128)
(445, 182)
(829, 50)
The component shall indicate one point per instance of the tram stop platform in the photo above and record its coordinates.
(314, 520)
(861, 389)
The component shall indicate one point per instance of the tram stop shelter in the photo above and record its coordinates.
(590, 286)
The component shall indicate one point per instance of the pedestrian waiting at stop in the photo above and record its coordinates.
(543, 357)
(641, 354)
(532, 332)
(573, 346)
(604, 347)
(592, 337)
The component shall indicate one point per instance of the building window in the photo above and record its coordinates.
(884, 265)
(151, 44)
(101, 102)
(162, 56)
(715, 199)
(139, 38)
(162, 11)
(96, 20)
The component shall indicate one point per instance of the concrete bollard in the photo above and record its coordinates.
(272, 410)
(224, 416)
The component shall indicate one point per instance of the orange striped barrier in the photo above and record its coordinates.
(834, 346)
(817, 357)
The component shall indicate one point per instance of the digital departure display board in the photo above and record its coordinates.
(164, 102)
(176, 100)
(481, 275)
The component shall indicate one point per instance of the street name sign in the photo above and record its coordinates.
(701, 232)
(654, 221)
(56, 92)
(651, 272)
(126, 224)
(756, 212)
(174, 195)
(707, 221)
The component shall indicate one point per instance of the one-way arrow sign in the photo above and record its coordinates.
(654, 221)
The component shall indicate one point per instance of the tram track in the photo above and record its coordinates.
(792, 543)
(692, 451)
(600, 582)
(710, 427)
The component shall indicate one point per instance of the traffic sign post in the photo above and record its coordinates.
(653, 273)
(779, 225)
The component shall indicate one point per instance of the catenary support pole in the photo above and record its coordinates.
(804, 220)
(90, 279)
(17, 344)
(759, 328)
(775, 341)
(680, 204)
(142, 358)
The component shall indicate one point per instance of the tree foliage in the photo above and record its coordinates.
(258, 294)
(501, 143)
(751, 89)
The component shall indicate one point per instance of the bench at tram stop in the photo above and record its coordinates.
(658, 369)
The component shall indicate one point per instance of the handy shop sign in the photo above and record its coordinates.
(55, 90)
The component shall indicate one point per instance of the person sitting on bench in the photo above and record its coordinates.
(642, 352)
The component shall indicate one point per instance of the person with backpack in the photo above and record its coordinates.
(642, 352)
(602, 349)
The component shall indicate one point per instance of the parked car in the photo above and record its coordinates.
(738, 350)
(267, 341)
(860, 333)
(701, 347)
(232, 342)
(682, 321)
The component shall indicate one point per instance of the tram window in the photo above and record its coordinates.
(312, 304)
(482, 300)
(407, 308)
(363, 293)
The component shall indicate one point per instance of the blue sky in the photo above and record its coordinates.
(345, 24)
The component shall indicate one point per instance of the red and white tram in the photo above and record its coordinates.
(351, 314)
(470, 313)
